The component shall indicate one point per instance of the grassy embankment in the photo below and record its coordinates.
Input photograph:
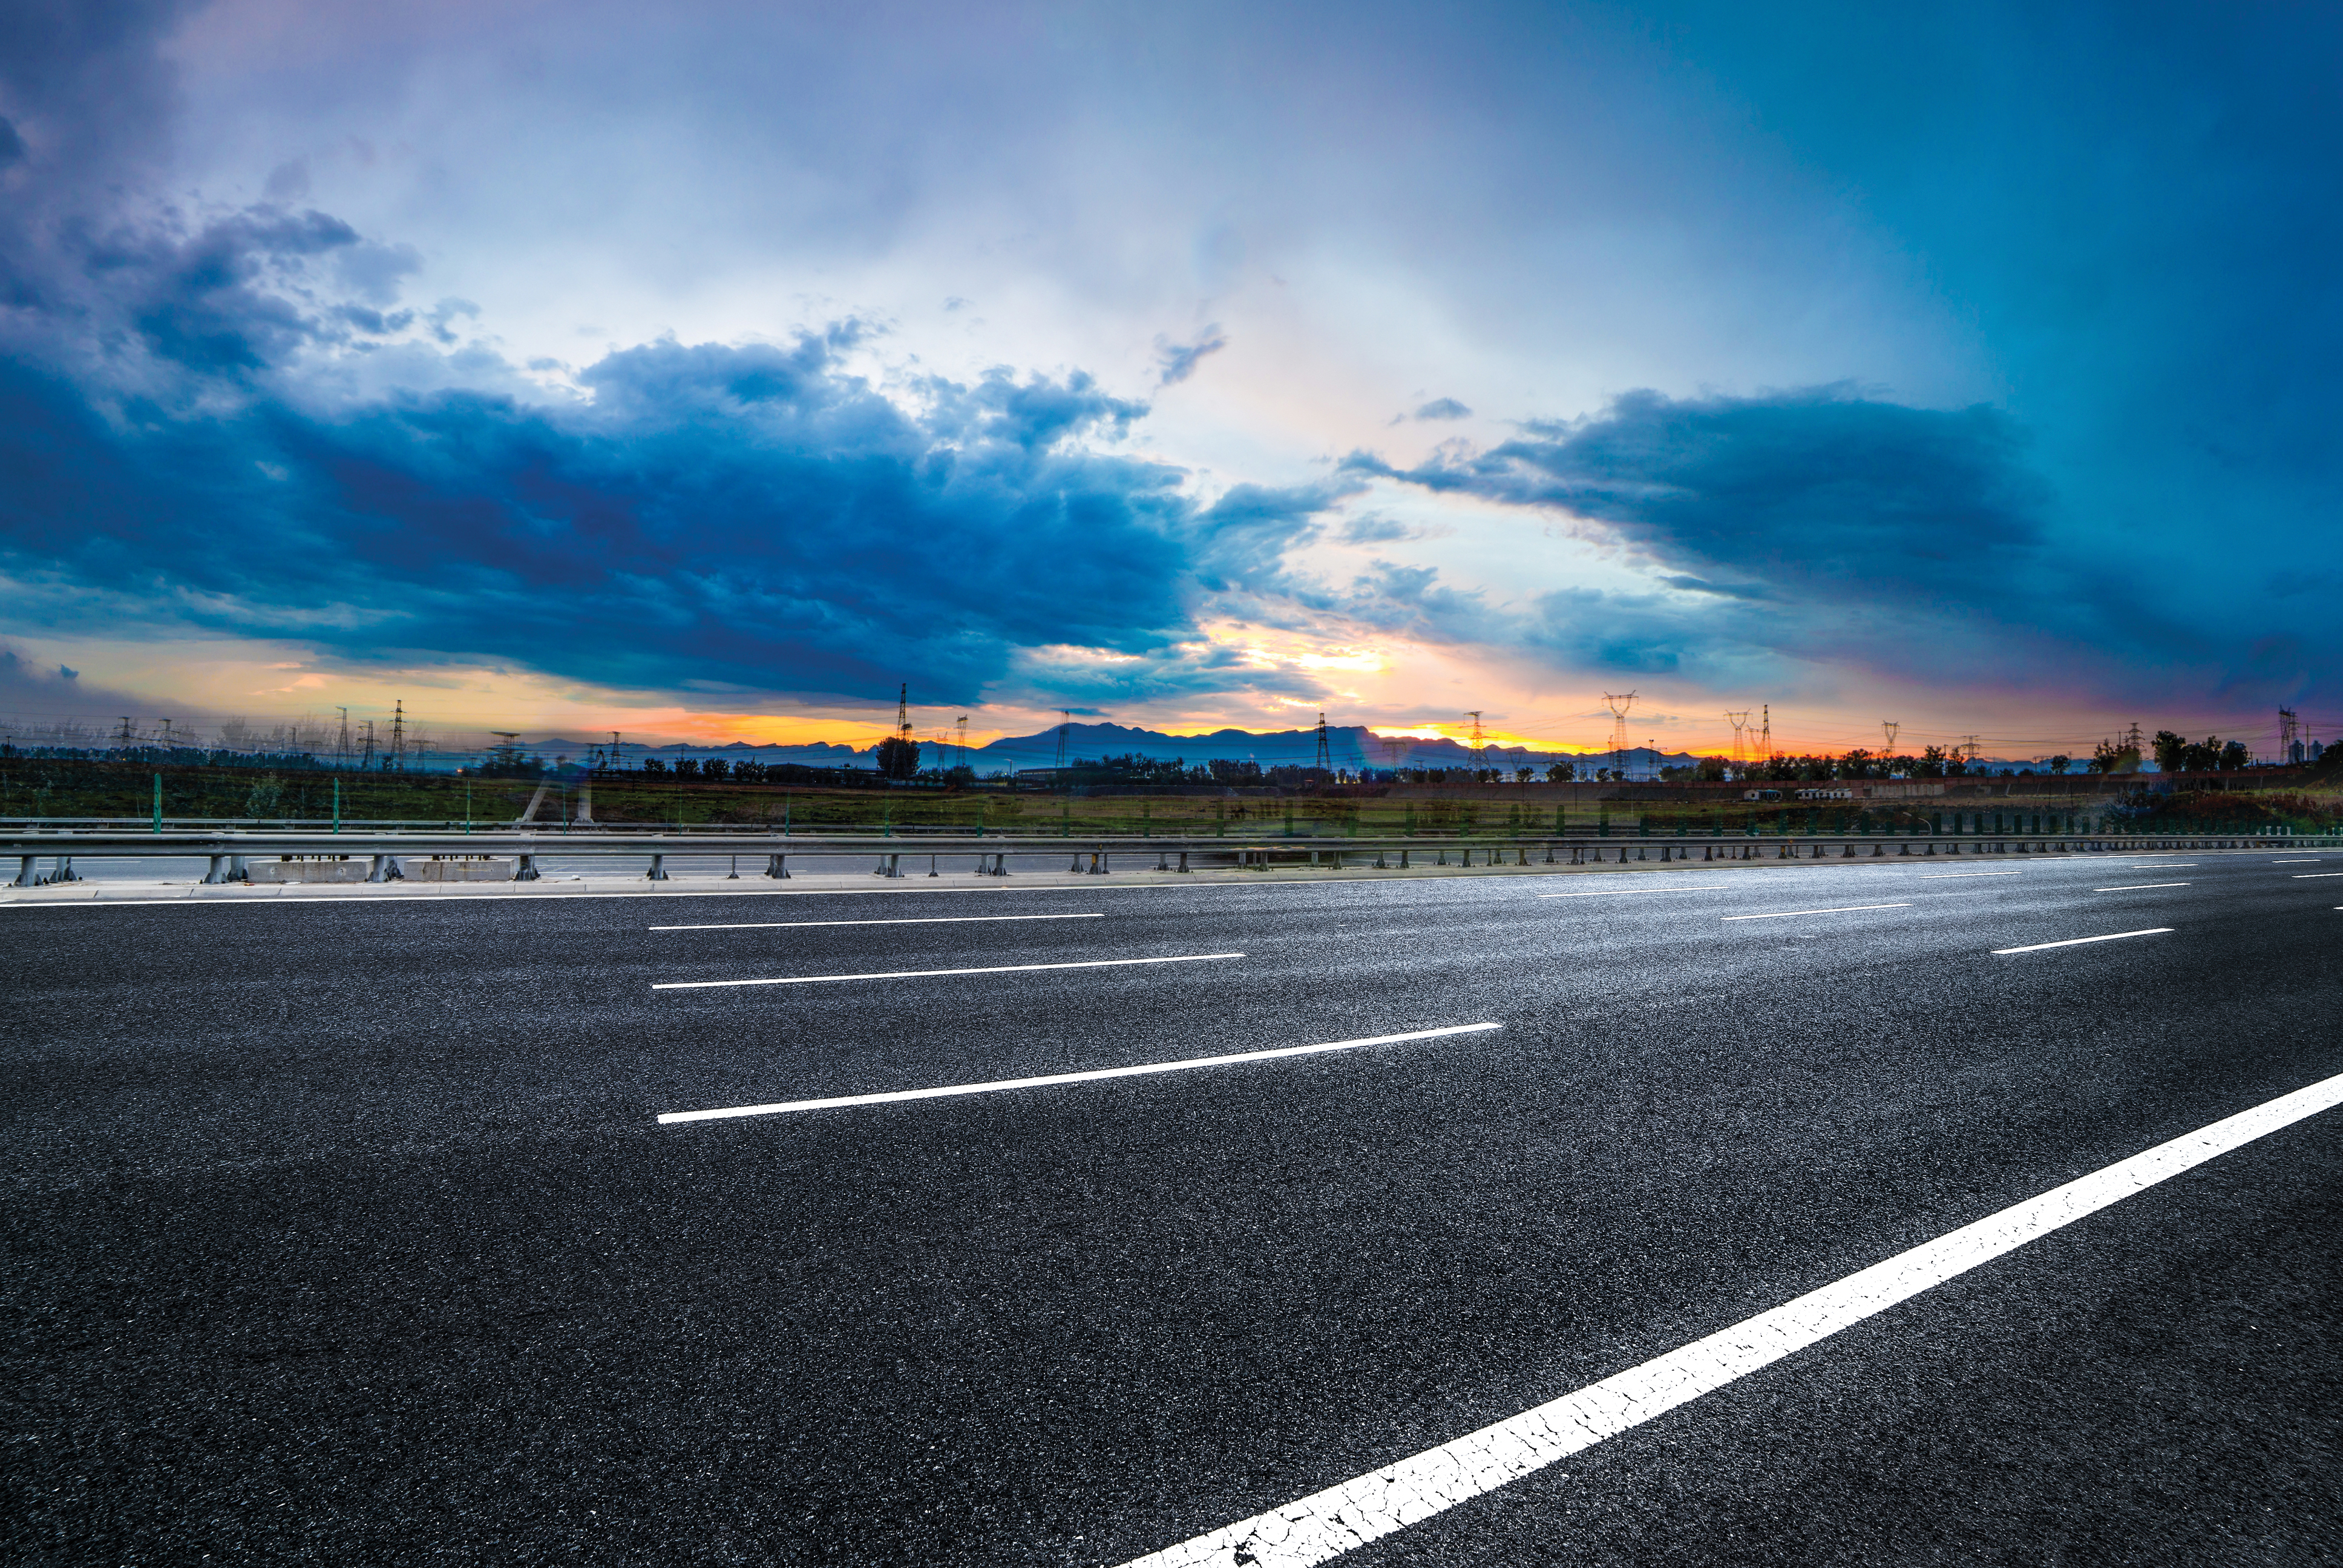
(52, 788)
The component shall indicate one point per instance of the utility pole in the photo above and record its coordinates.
(614, 751)
(1618, 702)
(1325, 760)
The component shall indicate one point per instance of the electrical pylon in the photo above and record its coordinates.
(1888, 727)
(962, 738)
(397, 758)
(1065, 728)
(1618, 703)
(1479, 739)
(1326, 761)
(1740, 722)
(1765, 736)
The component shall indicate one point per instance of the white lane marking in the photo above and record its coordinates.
(1046, 1080)
(1614, 892)
(2079, 941)
(1840, 909)
(923, 974)
(2138, 887)
(2295, 861)
(1325, 1525)
(2308, 876)
(1941, 876)
(908, 920)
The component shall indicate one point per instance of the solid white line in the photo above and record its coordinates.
(923, 974)
(1053, 1078)
(1614, 892)
(1841, 909)
(2307, 875)
(2138, 887)
(1941, 876)
(1325, 1525)
(2078, 941)
(913, 920)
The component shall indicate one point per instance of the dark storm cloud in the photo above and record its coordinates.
(754, 515)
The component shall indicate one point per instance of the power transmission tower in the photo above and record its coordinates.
(1395, 748)
(342, 745)
(1065, 729)
(1480, 740)
(963, 753)
(903, 712)
(369, 761)
(1618, 702)
(1326, 761)
(398, 758)
(2133, 739)
(126, 732)
(1765, 736)
(1969, 747)
(1740, 722)
(2289, 736)
(1888, 727)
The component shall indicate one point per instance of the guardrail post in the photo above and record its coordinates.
(1402, 858)
(1098, 863)
(1076, 869)
(658, 874)
(895, 867)
(26, 876)
(217, 871)
(525, 870)
(64, 871)
(1184, 859)
(385, 869)
(777, 866)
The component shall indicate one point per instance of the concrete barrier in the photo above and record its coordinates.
(306, 870)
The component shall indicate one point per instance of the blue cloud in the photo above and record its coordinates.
(1443, 408)
(1175, 362)
(755, 516)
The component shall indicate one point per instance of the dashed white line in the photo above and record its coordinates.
(924, 974)
(2138, 887)
(2308, 876)
(1942, 875)
(1388, 1499)
(1614, 892)
(2079, 941)
(915, 920)
(1839, 909)
(1047, 1080)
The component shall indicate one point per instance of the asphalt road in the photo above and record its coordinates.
(346, 1232)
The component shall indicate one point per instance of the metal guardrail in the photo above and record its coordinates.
(229, 853)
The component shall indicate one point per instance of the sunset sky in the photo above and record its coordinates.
(706, 370)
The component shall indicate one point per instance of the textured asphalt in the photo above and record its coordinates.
(343, 1231)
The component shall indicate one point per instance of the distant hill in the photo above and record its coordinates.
(1351, 747)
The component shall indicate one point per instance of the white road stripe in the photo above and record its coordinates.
(2307, 875)
(2078, 941)
(917, 920)
(2138, 887)
(1840, 909)
(1325, 1525)
(923, 974)
(1054, 1078)
(1614, 892)
(1941, 876)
